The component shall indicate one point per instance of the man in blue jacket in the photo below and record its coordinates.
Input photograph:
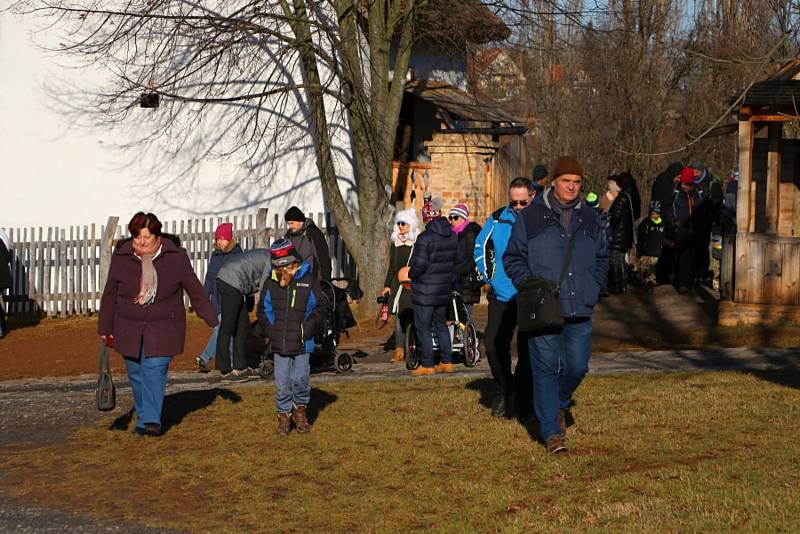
(490, 245)
(538, 247)
(432, 262)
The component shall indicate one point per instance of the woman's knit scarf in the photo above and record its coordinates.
(457, 229)
(148, 285)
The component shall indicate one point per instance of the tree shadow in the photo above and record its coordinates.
(789, 378)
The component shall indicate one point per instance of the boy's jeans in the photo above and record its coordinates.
(291, 381)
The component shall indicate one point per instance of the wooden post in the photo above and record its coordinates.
(773, 176)
(106, 248)
(262, 235)
(745, 175)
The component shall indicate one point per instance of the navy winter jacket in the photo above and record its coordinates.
(215, 262)
(538, 245)
(432, 264)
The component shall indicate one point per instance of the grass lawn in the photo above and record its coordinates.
(666, 452)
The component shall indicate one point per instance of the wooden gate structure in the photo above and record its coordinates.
(764, 263)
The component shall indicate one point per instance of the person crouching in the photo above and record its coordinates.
(294, 308)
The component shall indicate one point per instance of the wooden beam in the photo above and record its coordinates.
(773, 176)
(773, 118)
(745, 146)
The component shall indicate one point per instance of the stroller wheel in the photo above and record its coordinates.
(472, 354)
(410, 347)
(343, 363)
(266, 370)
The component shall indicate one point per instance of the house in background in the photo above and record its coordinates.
(760, 273)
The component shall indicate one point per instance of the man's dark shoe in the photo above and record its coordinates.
(300, 419)
(555, 444)
(239, 375)
(149, 429)
(284, 423)
(499, 404)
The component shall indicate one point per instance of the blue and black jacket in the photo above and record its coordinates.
(490, 245)
(538, 245)
(291, 316)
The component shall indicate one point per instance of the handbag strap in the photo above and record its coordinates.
(565, 265)
(104, 365)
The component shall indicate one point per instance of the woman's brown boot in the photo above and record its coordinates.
(300, 419)
(399, 355)
(284, 423)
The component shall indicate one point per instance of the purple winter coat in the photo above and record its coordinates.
(161, 326)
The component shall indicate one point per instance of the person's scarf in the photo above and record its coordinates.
(148, 285)
(457, 229)
(564, 211)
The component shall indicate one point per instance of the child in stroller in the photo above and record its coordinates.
(338, 319)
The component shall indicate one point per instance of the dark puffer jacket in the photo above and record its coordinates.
(539, 244)
(623, 214)
(293, 314)
(664, 185)
(652, 236)
(215, 262)
(685, 210)
(310, 243)
(5, 270)
(465, 269)
(432, 264)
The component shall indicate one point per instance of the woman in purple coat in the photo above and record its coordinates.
(142, 315)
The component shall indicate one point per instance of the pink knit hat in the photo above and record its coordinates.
(461, 210)
(224, 231)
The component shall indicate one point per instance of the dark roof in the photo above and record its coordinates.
(459, 104)
(777, 94)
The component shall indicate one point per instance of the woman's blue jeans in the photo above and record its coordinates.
(559, 363)
(148, 379)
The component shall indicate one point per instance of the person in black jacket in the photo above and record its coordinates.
(663, 191)
(309, 241)
(684, 210)
(624, 212)
(225, 248)
(466, 274)
(652, 238)
(5, 277)
(431, 274)
(293, 312)
(709, 187)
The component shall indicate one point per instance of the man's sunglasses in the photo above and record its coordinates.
(522, 203)
(454, 217)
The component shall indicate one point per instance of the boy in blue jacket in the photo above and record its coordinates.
(293, 311)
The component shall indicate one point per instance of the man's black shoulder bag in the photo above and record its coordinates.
(538, 304)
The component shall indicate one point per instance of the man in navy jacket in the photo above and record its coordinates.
(538, 246)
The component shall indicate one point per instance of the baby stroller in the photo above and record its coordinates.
(463, 335)
(336, 322)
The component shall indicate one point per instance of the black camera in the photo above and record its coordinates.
(383, 299)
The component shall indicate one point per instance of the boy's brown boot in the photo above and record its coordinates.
(300, 419)
(284, 423)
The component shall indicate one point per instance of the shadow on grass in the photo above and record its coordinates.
(789, 378)
(320, 399)
(487, 388)
(178, 405)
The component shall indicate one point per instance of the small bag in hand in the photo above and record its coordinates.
(105, 394)
(538, 300)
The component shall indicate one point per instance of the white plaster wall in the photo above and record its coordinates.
(55, 172)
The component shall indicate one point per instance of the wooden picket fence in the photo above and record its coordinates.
(62, 271)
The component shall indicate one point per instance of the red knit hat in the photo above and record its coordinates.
(686, 176)
(224, 231)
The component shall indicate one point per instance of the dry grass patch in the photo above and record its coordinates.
(713, 451)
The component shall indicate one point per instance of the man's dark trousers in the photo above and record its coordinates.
(497, 339)
(234, 323)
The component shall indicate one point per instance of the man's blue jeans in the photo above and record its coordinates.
(291, 381)
(427, 318)
(210, 352)
(148, 379)
(559, 363)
